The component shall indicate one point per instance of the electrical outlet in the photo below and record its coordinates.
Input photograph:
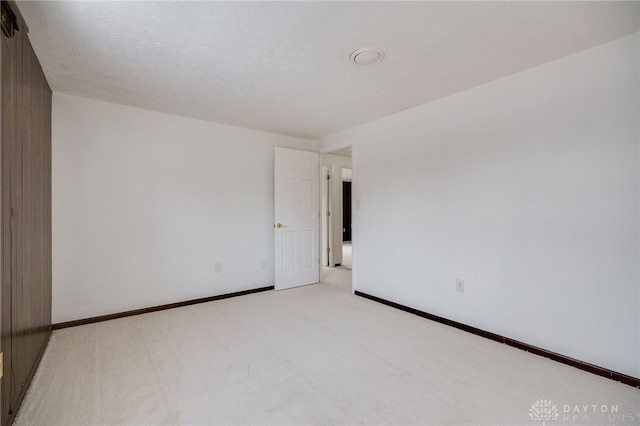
(460, 285)
(218, 267)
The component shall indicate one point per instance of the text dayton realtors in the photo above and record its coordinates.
(595, 411)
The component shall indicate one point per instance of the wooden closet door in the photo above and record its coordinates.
(11, 175)
(25, 216)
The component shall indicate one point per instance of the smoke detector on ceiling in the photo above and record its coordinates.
(367, 56)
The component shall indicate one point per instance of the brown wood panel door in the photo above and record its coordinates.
(11, 174)
(25, 216)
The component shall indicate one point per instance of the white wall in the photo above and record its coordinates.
(145, 203)
(528, 188)
(340, 160)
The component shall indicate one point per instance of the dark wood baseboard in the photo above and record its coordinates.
(157, 308)
(14, 410)
(600, 371)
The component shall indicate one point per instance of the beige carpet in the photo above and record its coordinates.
(311, 355)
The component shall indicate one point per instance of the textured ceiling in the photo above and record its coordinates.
(284, 67)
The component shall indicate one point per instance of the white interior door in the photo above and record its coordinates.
(296, 216)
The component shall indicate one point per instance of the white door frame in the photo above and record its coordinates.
(324, 219)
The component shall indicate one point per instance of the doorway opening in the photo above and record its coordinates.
(347, 221)
(338, 218)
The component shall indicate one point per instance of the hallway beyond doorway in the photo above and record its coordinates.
(346, 255)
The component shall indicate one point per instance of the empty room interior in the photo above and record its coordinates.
(317, 212)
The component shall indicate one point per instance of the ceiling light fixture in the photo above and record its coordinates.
(367, 56)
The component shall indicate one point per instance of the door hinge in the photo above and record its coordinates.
(328, 177)
(328, 213)
(328, 250)
(1, 364)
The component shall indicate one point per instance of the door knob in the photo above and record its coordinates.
(279, 225)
